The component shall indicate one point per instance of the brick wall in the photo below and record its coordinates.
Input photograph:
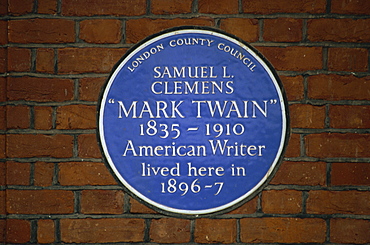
(55, 56)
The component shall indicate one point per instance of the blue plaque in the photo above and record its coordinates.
(193, 121)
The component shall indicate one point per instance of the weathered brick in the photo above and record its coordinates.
(350, 7)
(338, 202)
(348, 59)
(282, 30)
(45, 60)
(88, 146)
(2, 173)
(350, 173)
(103, 7)
(293, 87)
(101, 31)
(138, 29)
(3, 32)
(4, 7)
(246, 29)
(282, 201)
(218, 7)
(102, 230)
(3, 60)
(41, 31)
(137, 207)
(18, 173)
(95, 202)
(47, 6)
(44, 173)
(294, 146)
(349, 116)
(45, 231)
(29, 145)
(89, 88)
(3, 88)
(354, 231)
(294, 58)
(18, 231)
(284, 6)
(20, 7)
(84, 173)
(40, 201)
(215, 231)
(336, 87)
(300, 173)
(171, 6)
(282, 230)
(2, 117)
(249, 207)
(307, 116)
(39, 89)
(338, 30)
(17, 117)
(85, 60)
(19, 59)
(2, 145)
(43, 118)
(76, 117)
(337, 145)
(170, 230)
(3, 229)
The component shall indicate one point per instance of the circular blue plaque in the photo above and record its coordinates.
(193, 121)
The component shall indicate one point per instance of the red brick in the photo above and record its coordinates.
(2, 117)
(2, 205)
(84, 173)
(350, 7)
(18, 231)
(338, 202)
(44, 172)
(3, 88)
(41, 31)
(138, 29)
(347, 116)
(2, 145)
(336, 87)
(218, 7)
(3, 32)
(294, 58)
(282, 230)
(246, 29)
(19, 59)
(102, 230)
(282, 201)
(249, 207)
(43, 117)
(338, 30)
(20, 7)
(40, 201)
(337, 145)
(301, 173)
(39, 89)
(350, 174)
(284, 6)
(45, 60)
(45, 231)
(95, 202)
(293, 87)
(103, 7)
(88, 146)
(89, 88)
(85, 60)
(101, 31)
(2, 221)
(170, 230)
(307, 116)
(171, 6)
(215, 231)
(28, 145)
(4, 7)
(3, 60)
(137, 207)
(348, 59)
(18, 117)
(47, 6)
(76, 117)
(354, 231)
(294, 146)
(2, 173)
(282, 30)
(18, 173)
